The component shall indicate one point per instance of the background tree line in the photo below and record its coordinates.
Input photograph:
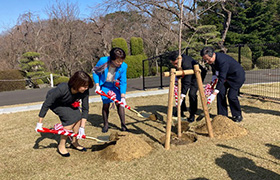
(67, 44)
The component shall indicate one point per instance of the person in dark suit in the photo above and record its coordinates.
(189, 84)
(231, 77)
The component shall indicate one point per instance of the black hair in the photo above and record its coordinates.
(79, 79)
(173, 55)
(207, 51)
(117, 53)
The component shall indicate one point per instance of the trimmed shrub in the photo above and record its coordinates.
(268, 62)
(31, 55)
(121, 43)
(60, 79)
(39, 81)
(245, 51)
(136, 46)
(16, 80)
(134, 64)
(246, 63)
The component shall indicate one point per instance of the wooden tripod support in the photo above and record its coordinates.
(173, 73)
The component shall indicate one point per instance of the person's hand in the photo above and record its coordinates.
(39, 126)
(211, 98)
(214, 77)
(182, 98)
(123, 101)
(81, 133)
(97, 89)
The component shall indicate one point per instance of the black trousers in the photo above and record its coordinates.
(192, 101)
(232, 96)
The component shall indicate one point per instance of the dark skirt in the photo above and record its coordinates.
(68, 115)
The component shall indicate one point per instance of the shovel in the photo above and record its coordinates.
(65, 133)
(142, 115)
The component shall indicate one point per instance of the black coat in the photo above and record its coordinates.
(190, 80)
(229, 70)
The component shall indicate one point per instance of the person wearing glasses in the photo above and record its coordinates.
(231, 76)
(109, 76)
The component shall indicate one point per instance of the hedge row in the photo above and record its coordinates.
(16, 82)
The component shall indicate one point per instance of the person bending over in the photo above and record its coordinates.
(64, 101)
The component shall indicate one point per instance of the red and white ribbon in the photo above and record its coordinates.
(102, 93)
(60, 130)
(176, 92)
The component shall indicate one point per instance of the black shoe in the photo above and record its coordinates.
(237, 118)
(83, 149)
(190, 119)
(124, 128)
(63, 155)
(175, 114)
(105, 129)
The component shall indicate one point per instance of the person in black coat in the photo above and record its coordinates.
(189, 84)
(231, 77)
(64, 102)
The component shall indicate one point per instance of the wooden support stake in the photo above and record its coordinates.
(203, 100)
(179, 127)
(179, 73)
(170, 109)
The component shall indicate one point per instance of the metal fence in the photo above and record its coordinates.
(261, 63)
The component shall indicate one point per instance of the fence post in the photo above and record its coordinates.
(239, 53)
(51, 77)
(160, 67)
(143, 74)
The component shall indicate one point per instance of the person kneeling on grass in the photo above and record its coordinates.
(64, 102)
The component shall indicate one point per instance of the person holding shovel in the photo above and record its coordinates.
(189, 84)
(231, 77)
(64, 101)
(109, 76)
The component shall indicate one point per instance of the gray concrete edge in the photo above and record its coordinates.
(91, 100)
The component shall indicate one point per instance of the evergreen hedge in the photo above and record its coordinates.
(136, 46)
(246, 63)
(134, 64)
(11, 85)
(121, 43)
(60, 79)
(245, 51)
(268, 62)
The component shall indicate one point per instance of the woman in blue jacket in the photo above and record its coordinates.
(109, 75)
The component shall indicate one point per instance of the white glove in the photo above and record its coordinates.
(182, 98)
(212, 97)
(123, 101)
(39, 126)
(81, 133)
(97, 89)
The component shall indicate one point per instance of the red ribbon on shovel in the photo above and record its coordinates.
(102, 93)
(65, 133)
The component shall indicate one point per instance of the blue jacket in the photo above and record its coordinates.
(120, 74)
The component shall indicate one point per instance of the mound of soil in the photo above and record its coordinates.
(128, 147)
(223, 128)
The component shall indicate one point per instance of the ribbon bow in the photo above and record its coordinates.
(75, 104)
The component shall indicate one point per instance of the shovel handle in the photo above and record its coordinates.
(46, 130)
(102, 93)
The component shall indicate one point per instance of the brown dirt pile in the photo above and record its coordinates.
(223, 128)
(128, 147)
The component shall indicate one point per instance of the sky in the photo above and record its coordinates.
(10, 10)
